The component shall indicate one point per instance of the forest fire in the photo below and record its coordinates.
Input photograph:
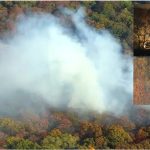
(62, 85)
(65, 75)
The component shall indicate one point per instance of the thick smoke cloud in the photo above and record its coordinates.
(47, 62)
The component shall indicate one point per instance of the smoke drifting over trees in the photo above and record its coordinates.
(79, 68)
(66, 82)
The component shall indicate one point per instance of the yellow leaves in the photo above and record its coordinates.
(91, 148)
(10, 125)
(55, 132)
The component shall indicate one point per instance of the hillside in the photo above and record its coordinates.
(116, 17)
(67, 85)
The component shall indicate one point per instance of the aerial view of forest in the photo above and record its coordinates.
(66, 72)
(141, 29)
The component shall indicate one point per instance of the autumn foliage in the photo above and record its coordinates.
(79, 131)
(56, 129)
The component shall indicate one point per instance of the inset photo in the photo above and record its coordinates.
(142, 80)
(141, 37)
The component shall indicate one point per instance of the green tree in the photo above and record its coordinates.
(58, 140)
(108, 10)
(20, 143)
(117, 135)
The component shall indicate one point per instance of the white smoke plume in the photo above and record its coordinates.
(79, 68)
